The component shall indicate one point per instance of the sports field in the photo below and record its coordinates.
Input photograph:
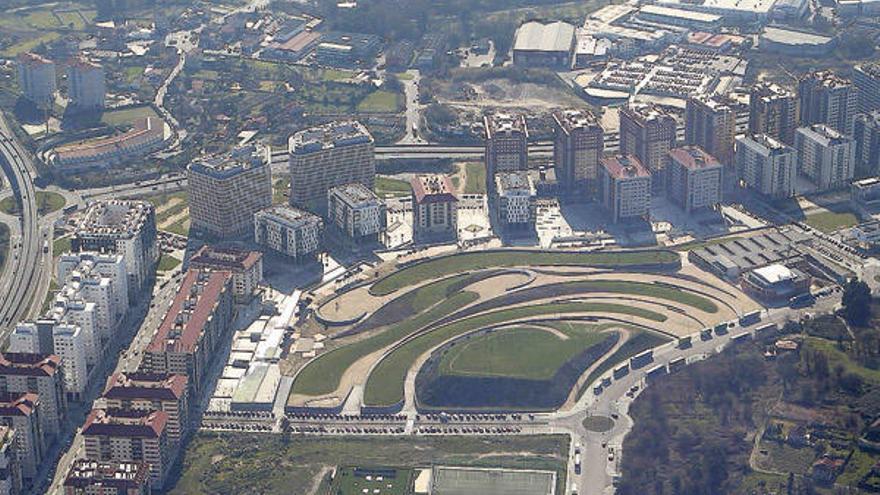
(472, 481)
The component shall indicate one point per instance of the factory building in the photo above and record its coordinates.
(544, 45)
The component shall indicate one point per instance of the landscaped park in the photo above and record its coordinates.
(511, 329)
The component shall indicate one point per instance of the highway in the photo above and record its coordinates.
(24, 271)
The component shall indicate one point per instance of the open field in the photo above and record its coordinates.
(447, 265)
(389, 187)
(230, 463)
(167, 263)
(172, 211)
(475, 182)
(47, 202)
(280, 191)
(126, 116)
(380, 102)
(829, 221)
(353, 481)
(60, 245)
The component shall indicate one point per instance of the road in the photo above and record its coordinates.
(25, 269)
(413, 110)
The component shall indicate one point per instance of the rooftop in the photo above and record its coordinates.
(125, 423)
(33, 59)
(680, 13)
(768, 91)
(145, 386)
(288, 215)
(355, 194)
(827, 79)
(193, 306)
(84, 64)
(624, 166)
(693, 158)
(824, 134)
(142, 131)
(509, 181)
(872, 69)
(18, 404)
(575, 119)
(332, 135)
(774, 274)
(769, 144)
(115, 218)
(120, 475)
(20, 363)
(432, 188)
(647, 112)
(230, 164)
(505, 123)
(225, 258)
(792, 37)
(553, 37)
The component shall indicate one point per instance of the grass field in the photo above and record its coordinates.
(522, 352)
(167, 263)
(389, 187)
(476, 178)
(47, 202)
(29, 44)
(280, 191)
(348, 483)
(385, 385)
(172, 211)
(639, 341)
(126, 116)
(380, 102)
(233, 463)
(61, 245)
(447, 265)
(656, 291)
(836, 358)
(830, 221)
(322, 375)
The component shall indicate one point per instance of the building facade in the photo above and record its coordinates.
(773, 110)
(85, 85)
(624, 187)
(225, 192)
(36, 78)
(710, 123)
(766, 165)
(114, 435)
(506, 146)
(21, 411)
(515, 201)
(694, 178)
(99, 278)
(435, 209)
(825, 156)
(88, 477)
(647, 132)
(41, 374)
(866, 133)
(825, 98)
(866, 79)
(145, 136)
(10, 463)
(579, 142)
(289, 231)
(149, 392)
(246, 267)
(328, 156)
(356, 213)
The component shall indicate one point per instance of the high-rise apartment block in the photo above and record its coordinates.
(866, 79)
(108, 478)
(115, 435)
(435, 209)
(515, 201)
(327, 156)
(100, 279)
(40, 374)
(149, 392)
(10, 463)
(225, 192)
(356, 213)
(246, 267)
(825, 156)
(866, 133)
(197, 320)
(694, 178)
(710, 123)
(507, 148)
(825, 98)
(289, 231)
(624, 187)
(36, 78)
(21, 411)
(579, 141)
(773, 110)
(121, 227)
(766, 165)
(86, 88)
(647, 132)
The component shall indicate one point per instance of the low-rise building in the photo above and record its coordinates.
(435, 209)
(145, 136)
(42, 374)
(88, 477)
(246, 267)
(21, 411)
(544, 45)
(775, 283)
(356, 213)
(694, 178)
(149, 392)
(797, 43)
(865, 192)
(825, 156)
(766, 165)
(10, 463)
(289, 231)
(624, 187)
(115, 435)
(515, 201)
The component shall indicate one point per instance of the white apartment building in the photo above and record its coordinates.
(516, 200)
(86, 88)
(91, 269)
(825, 156)
(356, 212)
(288, 230)
(694, 178)
(624, 187)
(36, 78)
(70, 346)
(766, 165)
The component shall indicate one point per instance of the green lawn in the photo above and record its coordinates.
(167, 263)
(234, 463)
(322, 375)
(522, 352)
(385, 385)
(346, 483)
(47, 202)
(830, 221)
(656, 291)
(280, 191)
(61, 245)
(126, 116)
(337, 75)
(29, 44)
(786, 459)
(380, 102)
(448, 265)
(476, 178)
(836, 358)
(389, 187)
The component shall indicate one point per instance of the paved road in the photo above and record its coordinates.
(413, 110)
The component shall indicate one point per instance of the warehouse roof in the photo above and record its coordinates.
(538, 37)
(792, 37)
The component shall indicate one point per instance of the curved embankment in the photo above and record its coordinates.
(442, 266)
(386, 382)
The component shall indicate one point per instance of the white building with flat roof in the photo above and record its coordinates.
(825, 156)
(289, 231)
(766, 165)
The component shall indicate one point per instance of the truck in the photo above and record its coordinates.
(721, 328)
(750, 318)
(641, 360)
(621, 371)
(655, 372)
(677, 364)
(766, 330)
(802, 301)
(685, 343)
(706, 334)
(743, 337)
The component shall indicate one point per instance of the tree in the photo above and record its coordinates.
(857, 302)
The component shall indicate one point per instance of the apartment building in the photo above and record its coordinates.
(41, 374)
(327, 156)
(825, 156)
(773, 110)
(123, 227)
(115, 435)
(151, 392)
(99, 278)
(246, 267)
(356, 214)
(21, 411)
(866, 133)
(710, 123)
(85, 85)
(579, 141)
(866, 79)
(647, 132)
(36, 78)
(10, 463)
(515, 201)
(766, 165)
(825, 98)
(506, 147)
(625, 187)
(435, 209)
(87, 477)
(694, 178)
(289, 231)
